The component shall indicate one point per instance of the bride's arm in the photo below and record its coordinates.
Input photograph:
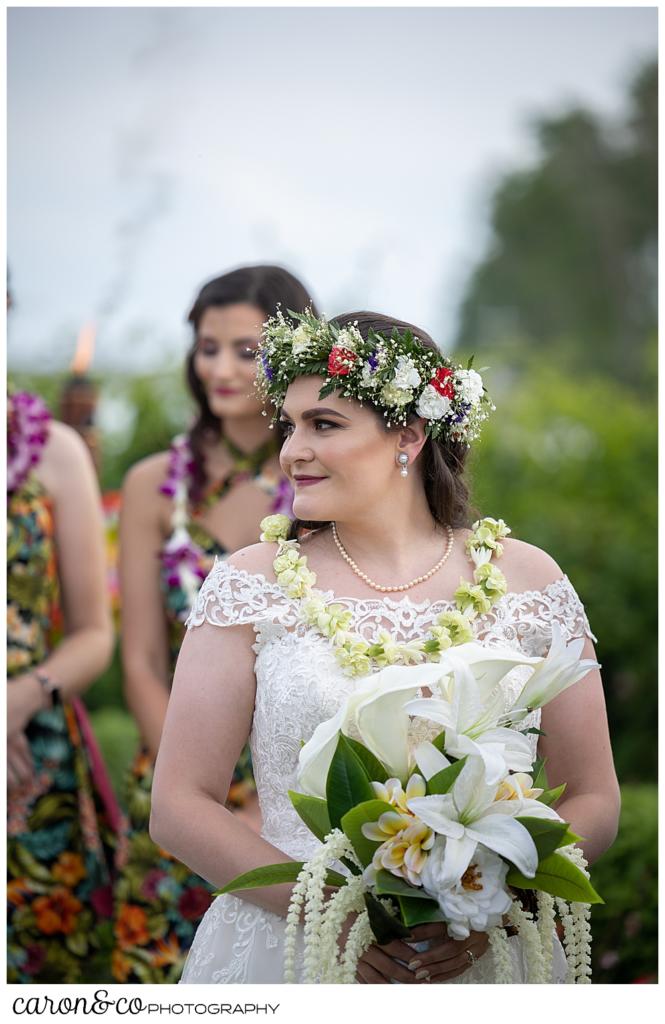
(207, 724)
(576, 743)
(577, 747)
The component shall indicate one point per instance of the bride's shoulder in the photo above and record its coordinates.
(256, 559)
(527, 567)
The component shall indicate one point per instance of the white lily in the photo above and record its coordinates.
(560, 669)
(375, 714)
(470, 710)
(470, 814)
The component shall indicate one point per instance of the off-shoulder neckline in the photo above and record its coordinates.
(419, 606)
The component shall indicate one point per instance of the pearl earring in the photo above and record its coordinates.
(403, 460)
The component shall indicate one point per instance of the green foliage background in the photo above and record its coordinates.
(562, 308)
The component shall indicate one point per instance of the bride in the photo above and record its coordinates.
(376, 455)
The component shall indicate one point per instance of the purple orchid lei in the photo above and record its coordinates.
(184, 563)
(27, 434)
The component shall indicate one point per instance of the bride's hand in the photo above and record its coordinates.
(381, 965)
(446, 958)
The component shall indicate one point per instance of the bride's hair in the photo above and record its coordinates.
(441, 461)
(266, 287)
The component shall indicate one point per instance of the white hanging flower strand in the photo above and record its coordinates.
(355, 655)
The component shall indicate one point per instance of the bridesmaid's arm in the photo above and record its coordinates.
(84, 652)
(144, 639)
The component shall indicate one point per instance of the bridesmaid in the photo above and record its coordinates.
(61, 814)
(203, 498)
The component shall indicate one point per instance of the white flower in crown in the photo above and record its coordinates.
(301, 340)
(369, 377)
(349, 337)
(469, 386)
(406, 374)
(431, 405)
(395, 396)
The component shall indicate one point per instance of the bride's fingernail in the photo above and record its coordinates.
(414, 965)
(422, 974)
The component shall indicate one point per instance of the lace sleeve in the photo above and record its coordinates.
(531, 614)
(233, 597)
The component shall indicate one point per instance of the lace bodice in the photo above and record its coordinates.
(299, 683)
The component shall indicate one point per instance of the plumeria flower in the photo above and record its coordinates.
(518, 786)
(560, 669)
(404, 849)
(392, 793)
(470, 814)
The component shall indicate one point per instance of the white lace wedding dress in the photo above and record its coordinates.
(299, 684)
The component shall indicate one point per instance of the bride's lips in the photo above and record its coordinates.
(307, 481)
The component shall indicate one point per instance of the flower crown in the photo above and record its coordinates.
(396, 373)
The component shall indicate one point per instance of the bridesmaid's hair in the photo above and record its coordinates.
(264, 286)
(441, 461)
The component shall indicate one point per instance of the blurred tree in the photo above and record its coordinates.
(571, 265)
(571, 464)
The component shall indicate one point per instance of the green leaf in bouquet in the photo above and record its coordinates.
(376, 772)
(347, 784)
(440, 741)
(546, 833)
(443, 781)
(313, 811)
(274, 874)
(534, 731)
(383, 924)
(550, 796)
(419, 911)
(352, 822)
(538, 774)
(388, 884)
(558, 876)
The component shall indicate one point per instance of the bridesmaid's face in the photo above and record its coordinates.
(225, 358)
(337, 454)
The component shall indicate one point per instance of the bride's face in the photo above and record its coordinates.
(337, 454)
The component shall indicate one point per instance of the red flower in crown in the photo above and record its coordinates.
(442, 382)
(340, 361)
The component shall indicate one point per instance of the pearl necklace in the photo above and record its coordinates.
(405, 586)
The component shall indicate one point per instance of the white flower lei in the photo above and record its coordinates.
(355, 655)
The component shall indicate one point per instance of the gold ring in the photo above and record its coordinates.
(471, 956)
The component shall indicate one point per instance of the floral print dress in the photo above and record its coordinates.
(159, 902)
(60, 828)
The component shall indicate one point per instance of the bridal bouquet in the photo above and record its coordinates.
(455, 828)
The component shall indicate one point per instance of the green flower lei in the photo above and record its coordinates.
(355, 655)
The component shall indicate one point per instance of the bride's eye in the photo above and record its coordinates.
(325, 423)
(286, 426)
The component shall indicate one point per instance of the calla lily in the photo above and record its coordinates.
(375, 714)
(560, 669)
(469, 814)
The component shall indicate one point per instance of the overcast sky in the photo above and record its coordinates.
(153, 148)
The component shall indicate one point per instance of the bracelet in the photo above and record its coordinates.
(48, 686)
